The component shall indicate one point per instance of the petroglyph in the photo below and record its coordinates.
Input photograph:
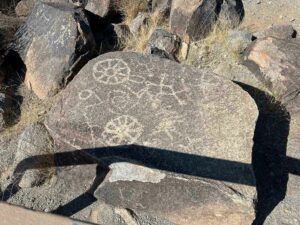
(167, 87)
(168, 124)
(122, 130)
(111, 71)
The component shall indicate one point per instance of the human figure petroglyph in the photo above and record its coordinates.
(111, 71)
(166, 88)
(124, 129)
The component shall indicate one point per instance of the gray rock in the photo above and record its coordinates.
(239, 40)
(197, 17)
(34, 141)
(49, 42)
(285, 31)
(152, 109)
(141, 19)
(2, 111)
(163, 6)
(163, 40)
(275, 62)
(99, 7)
(180, 200)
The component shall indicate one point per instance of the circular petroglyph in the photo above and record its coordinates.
(111, 71)
(122, 130)
(85, 94)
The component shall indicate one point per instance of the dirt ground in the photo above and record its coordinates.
(260, 14)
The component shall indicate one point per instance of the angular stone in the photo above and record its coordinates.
(99, 7)
(49, 42)
(239, 40)
(18, 216)
(163, 6)
(275, 62)
(196, 18)
(284, 31)
(179, 200)
(34, 141)
(163, 40)
(141, 19)
(177, 117)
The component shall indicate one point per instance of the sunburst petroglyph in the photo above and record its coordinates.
(111, 71)
(122, 130)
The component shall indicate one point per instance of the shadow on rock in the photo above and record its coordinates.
(269, 153)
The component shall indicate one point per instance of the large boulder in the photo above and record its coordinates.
(179, 200)
(160, 113)
(50, 41)
(196, 18)
(275, 63)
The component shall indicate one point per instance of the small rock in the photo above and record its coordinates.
(164, 42)
(34, 141)
(141, 19)
(239, 40)
(284, 31)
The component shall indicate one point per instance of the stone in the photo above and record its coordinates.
(141, 19)
(196, 18)
(2, 111)
(19, 216)
(99, 7)
(163, 40)
(25, 7)
(177, 199)
(275, 63)
(163, 6)
(34, 141)
(150, 110)
(49, 41)
(239, 40)
(282, 31)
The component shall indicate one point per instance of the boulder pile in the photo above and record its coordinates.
(139, 127)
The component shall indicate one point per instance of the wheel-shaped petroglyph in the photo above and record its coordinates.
(111, 71)
(122, 130)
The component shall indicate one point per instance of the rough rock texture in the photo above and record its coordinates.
(2, 111)
(239, 40)
(197, 17)
(177, 199)
(140, 20)
(25, 7)
(163, 40)
(284, 31)
(163, 6)
(18, 216)
(150, 110)
(99, 7)
(34, 141)
(276, 63)
(49, 42)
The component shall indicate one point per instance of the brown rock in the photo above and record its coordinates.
(18, 216)
(284, 31)
(182, 201)
(124, 99)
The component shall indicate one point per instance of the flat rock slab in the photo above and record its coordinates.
(47, 43)
(179, 200)
(19, 216)
(170, 116)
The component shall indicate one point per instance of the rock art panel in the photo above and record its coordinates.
(174, 111)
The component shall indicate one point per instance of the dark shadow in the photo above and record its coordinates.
(14, 69)
(269, 159)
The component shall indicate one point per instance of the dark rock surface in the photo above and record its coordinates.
(50, 41)
(124, 99)
(180, 200)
